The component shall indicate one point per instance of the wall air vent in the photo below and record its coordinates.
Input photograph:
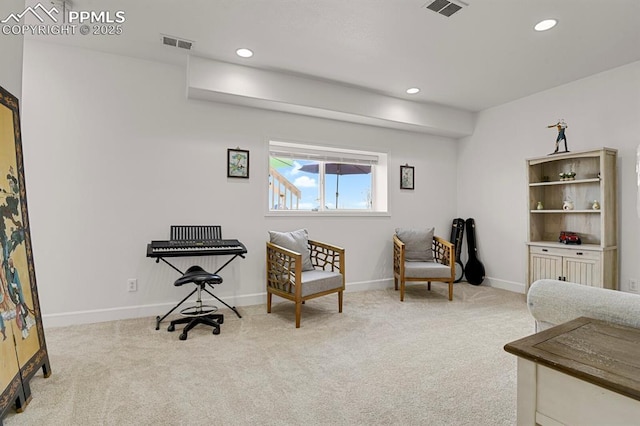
(445, 7)
(168, 40)
(184, 44)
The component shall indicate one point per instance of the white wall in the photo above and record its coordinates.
(11, 52)
(602, 110)
(115, 154)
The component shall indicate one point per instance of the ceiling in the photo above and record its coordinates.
(484, 55)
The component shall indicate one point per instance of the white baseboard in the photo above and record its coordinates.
(141, 311)
(369, 285)
(505, 285)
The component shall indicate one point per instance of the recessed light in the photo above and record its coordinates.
(413, 90)
(244, 53)
(545, 25)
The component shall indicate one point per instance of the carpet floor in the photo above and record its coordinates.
(424, 361)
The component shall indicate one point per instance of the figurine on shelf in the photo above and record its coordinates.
(561, 126)
(567, 176)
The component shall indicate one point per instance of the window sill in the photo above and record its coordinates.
(343, 213)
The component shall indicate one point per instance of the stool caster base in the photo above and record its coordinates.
(212, 320)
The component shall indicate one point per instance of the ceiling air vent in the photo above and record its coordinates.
(168, 40)
(445, 7)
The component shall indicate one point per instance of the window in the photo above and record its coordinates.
(326, 179)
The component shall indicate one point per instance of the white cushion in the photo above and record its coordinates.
(417, 244)
(430, 269)
(297, 241)
(317, 281)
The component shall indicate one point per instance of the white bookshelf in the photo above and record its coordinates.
(595, 261)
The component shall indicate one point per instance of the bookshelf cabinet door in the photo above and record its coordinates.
(582, 271)
(545, 266)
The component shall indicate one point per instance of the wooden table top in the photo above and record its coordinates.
(602, 353)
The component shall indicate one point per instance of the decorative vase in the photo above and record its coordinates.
(596, 205)
(540, 206)
(568, 205)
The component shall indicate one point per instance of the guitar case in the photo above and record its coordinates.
(457, 234)
(474, 269)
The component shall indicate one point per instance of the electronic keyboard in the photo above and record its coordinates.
(177, 248)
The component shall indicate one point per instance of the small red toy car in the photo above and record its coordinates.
(569, 238)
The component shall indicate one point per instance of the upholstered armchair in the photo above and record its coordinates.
(299, 269)
(419, 256)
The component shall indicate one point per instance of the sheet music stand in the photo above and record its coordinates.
(196, 232)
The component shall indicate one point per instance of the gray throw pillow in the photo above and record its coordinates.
(417, 244)
(297, 241)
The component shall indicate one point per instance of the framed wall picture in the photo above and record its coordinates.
(406, 177)
(237, 163)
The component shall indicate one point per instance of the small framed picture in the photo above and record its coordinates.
(406, 177)
(237, 163)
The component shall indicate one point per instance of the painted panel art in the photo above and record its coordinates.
(20, 317)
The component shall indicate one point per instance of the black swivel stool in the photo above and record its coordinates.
(198, 314)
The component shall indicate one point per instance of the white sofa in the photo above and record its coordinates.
(553, 302)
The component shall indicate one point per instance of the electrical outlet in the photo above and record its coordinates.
(132, 284)
(633, 285)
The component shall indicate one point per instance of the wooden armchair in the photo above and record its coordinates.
(441, 268)
(287, 277)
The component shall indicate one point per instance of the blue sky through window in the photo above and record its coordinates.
(354, 190)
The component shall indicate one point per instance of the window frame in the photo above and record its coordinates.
(327, 153)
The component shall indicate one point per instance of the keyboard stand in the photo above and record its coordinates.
(233, 308)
